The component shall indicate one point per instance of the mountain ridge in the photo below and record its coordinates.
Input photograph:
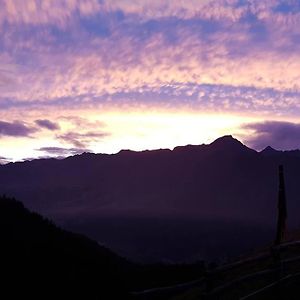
(221, 182)
(224, 141)
(154, 180)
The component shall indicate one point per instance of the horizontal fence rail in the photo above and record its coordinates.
(208, 282)
(258, 292)
(158, 292)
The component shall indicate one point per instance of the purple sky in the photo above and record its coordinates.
(102, 75)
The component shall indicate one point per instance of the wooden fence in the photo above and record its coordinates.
(217, 282)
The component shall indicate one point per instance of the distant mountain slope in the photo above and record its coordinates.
(223, 179)
(40, 261)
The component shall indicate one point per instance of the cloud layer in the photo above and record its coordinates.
(93, 51)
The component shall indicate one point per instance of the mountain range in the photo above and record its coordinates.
(223, 181)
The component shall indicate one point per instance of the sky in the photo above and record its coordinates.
(104, 75)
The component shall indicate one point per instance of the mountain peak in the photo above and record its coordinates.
(228, 142)
(269, 150)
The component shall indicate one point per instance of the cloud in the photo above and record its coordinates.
(81, 140)
(4, 160)
(191, 96)
(62, 152)
(15, 129)
(81, 122)
(62, 12)
(47, 124)
(155, 9)
(279, 135)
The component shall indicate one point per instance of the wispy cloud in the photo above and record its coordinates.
(81, 122)
(81, 140)
(62, 152)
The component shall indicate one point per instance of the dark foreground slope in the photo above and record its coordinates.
(38, 260)
(41, 261)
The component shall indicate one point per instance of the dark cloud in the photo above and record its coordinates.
(47, 124)
(279, 135)
(39, 157)
(15, 129)
(62, 152)
(81, 140)
(4, 160)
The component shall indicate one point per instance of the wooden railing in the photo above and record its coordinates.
(219, 280)
(278, 270)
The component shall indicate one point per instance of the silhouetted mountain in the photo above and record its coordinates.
(41, 261)
(222, 181)
(228, 144)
